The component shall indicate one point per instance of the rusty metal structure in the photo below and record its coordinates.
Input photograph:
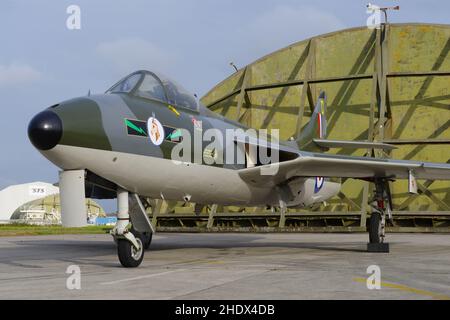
(390, 84)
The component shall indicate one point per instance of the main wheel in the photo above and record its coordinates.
(129, 256)
(375, 228)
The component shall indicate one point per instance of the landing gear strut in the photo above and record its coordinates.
(381, 207)
(132, 241)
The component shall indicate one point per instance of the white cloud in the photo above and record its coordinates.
(130, 54)
(17, 73)
(284, 25)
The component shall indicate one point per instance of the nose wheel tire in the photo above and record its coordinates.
(375, 228)
(129, 256)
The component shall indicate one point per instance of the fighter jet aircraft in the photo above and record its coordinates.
(122, 144)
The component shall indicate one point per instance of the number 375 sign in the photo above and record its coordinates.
(37, 191)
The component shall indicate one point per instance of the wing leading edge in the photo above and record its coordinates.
(325, 165)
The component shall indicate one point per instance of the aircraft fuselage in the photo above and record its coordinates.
(110, 135)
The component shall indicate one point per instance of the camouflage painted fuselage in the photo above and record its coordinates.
(96, 138)
(108, 135)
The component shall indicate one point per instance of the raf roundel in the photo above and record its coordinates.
(155, 131)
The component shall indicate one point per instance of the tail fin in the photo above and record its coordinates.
(317, 126)
(314, 135)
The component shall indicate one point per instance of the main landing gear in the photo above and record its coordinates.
(132, 240)
(381, 207)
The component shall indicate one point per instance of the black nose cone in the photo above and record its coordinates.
(45, 130)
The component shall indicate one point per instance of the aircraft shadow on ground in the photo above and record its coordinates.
(88, 252)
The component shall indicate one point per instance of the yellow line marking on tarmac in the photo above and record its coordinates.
(408, 289)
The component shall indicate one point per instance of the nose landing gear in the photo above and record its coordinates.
(131, 241)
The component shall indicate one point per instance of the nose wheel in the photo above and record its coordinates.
(131, 243)
(131, 256)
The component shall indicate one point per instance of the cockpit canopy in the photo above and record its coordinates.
(149, 85)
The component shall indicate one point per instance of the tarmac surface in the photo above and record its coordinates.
(227, 266)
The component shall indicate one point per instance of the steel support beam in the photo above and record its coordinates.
(243, 93)
(306, 90)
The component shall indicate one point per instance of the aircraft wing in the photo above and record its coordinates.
(327, 165)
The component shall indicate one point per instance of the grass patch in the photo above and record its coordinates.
(9, 230)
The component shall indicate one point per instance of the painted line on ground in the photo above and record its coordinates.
(408, 289)
(142, 277)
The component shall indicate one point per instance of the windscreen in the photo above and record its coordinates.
(151, 88)
(177, 95)
(127, 84)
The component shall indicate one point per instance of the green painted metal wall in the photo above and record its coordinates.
(397, 77)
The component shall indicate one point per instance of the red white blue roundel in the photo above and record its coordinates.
(319, 184)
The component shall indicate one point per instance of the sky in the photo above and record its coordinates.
(42, 62)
